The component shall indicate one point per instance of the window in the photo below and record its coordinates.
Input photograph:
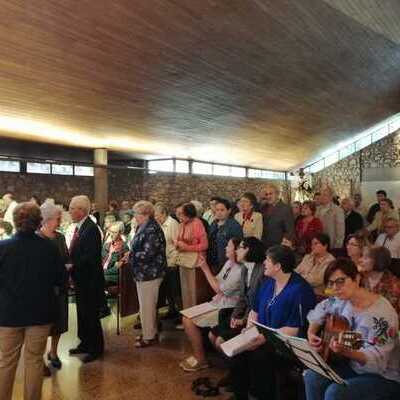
(38, 168)
(363, 142)
(394, 125)
(331, 159)
(222, 170)
(161, 165)
(83, 170)
(238, 172)
(380, 134)
(347, 151)
(182, 166)
(202, 168)
(265, 174)
(62, 169)
(317, 166)
(10, 166)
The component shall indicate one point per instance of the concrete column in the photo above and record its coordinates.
(101, 180)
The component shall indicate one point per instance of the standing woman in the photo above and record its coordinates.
(250, 220)
(148, 262)
(376, 276)
(192, 243)
(307, 227)
(52, 215)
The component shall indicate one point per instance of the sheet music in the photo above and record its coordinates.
(239, 343)
(198, 310)
(305, 353)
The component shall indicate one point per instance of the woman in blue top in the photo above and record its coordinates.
(283, 303)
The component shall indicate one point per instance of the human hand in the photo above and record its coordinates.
(256, 342)
(315, 341)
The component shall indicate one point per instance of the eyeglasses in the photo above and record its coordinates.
(339, 282)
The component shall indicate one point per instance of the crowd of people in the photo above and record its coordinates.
(287, 266)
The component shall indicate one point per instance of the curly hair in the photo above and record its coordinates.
(27, 217)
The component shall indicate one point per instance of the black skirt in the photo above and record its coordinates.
(223, 329)
(61, 323)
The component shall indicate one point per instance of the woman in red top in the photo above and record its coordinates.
(307, 227)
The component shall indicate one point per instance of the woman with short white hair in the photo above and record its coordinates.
(148, 262)
(51, 215)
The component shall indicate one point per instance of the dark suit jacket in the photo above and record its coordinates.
(30, 270)
(353, 223)
(278, 220)
(85, 255)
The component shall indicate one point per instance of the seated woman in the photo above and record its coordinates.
(354, 247)
(313, 266)
(250, 220)
(251, 255)
(371, 372)
(307, 227)
(282, 302)
(376, 277)
(386, 210)
(113, 252)
(226, 285)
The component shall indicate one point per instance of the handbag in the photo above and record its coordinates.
(187, 259)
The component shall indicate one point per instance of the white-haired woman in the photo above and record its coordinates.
(148, 262)
(113, 252)
(51, 215)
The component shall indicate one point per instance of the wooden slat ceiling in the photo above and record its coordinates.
(257, 82)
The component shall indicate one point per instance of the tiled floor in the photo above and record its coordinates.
(125, 373)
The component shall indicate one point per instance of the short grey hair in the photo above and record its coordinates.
(144, 207)
(82, 202)
(49, 211)
(198, 205)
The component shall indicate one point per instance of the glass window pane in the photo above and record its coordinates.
(161, 165)
(37, 168)
(238, 172)
(317, 166)
(182, 166)
(202, 168)
(222, 170)
(348, 150)
(331, 159)
(394, 125)
(10, 166)
(265, 174)
(62, 169)
(363, 142)
(380, 134)
(83, 170)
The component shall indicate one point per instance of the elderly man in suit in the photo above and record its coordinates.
(88, 278)
(277, 217)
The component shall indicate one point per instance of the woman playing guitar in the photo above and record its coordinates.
(371, 372)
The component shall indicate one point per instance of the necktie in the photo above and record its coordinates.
(74, 239)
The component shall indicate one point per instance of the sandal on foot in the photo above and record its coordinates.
(191, 364)
(139, 344)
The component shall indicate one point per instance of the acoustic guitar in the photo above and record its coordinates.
(338, 327)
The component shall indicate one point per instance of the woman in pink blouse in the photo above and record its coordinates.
(191, 243)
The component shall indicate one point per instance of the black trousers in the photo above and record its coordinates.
(253, 372)
(90, 331)
(170, 290)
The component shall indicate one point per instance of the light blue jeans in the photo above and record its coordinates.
(359, 387)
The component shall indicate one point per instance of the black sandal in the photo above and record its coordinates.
(203, 387)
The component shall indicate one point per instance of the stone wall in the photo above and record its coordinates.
(132, 185)
(346, 175)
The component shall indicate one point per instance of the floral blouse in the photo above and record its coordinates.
(388, 286)
(378, 325)
(148, 258)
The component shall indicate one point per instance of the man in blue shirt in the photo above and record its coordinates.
(282, 303)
